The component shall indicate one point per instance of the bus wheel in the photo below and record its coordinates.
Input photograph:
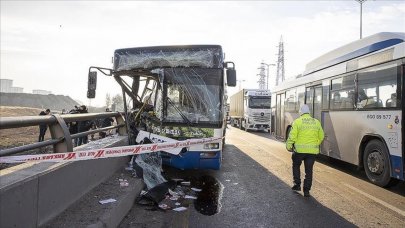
(376, 163)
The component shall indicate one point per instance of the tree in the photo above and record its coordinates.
(118, 102)
(107, 100)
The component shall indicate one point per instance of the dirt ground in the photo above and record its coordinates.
(19, 136)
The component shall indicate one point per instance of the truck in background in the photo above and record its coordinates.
(250, 109)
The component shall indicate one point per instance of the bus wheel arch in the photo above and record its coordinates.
(374, 158)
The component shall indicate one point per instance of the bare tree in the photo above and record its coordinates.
(107, 100)
(118, 102)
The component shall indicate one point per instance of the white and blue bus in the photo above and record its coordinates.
(357, 92)
(178, 93)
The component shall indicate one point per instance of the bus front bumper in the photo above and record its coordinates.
(193, 160)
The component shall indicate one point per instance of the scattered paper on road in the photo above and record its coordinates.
(189, 197)
(107, 201)
(185, 183)
(180, 209)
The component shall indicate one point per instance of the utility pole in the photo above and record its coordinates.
(280, 62)
(361, 16)
(262, 76)
(264, 67)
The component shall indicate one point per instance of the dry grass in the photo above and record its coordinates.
(19, 136)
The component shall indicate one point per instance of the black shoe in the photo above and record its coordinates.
(306, 194)
(296, 187)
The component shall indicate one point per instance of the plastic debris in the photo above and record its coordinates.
(180, 209)
(177, 204)
(111, 200)
(185, 183)
(151, 164)
(196, 189)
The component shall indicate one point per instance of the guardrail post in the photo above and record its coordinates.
(60, 130)
(120, 120)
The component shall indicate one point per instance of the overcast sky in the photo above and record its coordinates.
(49, 45)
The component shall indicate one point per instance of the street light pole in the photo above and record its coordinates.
(361, 16)
(240, 83)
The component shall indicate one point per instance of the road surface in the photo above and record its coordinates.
(255, 182)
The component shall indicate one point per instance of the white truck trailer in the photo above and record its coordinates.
(250, 109)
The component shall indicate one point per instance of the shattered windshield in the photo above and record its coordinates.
(259, 102)
(193, 95)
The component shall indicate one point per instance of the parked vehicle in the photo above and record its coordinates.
(250, 109)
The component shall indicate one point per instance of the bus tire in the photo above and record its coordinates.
(376, 163)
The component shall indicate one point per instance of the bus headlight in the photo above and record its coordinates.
(211, 146)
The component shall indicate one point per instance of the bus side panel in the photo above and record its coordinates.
(346, 129)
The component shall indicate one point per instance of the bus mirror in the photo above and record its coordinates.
(231, 77)
(92, 81)
(92, 84)
(91, 93)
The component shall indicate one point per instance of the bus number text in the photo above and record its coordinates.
(378, 117)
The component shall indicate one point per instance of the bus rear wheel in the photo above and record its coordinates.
(376, 163)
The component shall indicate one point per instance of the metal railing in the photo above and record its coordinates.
(61, 139)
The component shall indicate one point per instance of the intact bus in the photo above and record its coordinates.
(178, 93)
(356, 92)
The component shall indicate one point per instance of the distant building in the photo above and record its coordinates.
(41, 92)
(17, 90)
(6, 86)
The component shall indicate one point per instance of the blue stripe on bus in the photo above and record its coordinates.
(362, 51)
(397, 166)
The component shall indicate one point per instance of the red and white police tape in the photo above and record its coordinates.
(109, 152)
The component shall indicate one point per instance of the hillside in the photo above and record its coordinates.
(53, 102)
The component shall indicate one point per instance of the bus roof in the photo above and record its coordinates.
(205, 56)
(355, 49)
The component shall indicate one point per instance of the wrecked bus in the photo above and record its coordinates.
(177, 93)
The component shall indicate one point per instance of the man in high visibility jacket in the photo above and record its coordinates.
(304, 139)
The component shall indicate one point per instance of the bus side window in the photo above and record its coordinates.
(377, 87)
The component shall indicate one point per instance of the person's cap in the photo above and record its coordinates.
(304, 109)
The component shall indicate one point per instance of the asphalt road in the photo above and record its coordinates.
(254, 185)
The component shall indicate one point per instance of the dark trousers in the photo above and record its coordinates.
(42, 131)
(82, 140)
(309, 160)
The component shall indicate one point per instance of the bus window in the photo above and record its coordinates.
(309, 98)
(301, 97)
(377, 88)
(342, 94)
(325, 94)
(291, 100)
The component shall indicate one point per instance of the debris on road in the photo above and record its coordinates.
(180, 209)
(111, 200)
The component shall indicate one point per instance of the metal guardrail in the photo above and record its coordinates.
(61, 137)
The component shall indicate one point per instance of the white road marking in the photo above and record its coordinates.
(385, 204)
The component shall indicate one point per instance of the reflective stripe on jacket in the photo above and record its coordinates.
(306, 135)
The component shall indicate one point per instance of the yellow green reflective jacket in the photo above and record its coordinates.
(306, 135)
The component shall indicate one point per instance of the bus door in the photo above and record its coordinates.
(314, 101)
(280, 115)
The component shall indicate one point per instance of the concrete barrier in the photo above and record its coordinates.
(31, 194)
